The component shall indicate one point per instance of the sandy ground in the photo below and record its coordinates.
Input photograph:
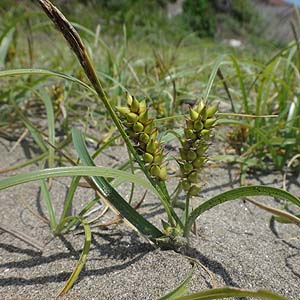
(236, 241)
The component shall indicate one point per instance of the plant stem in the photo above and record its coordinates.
(187, 206)
(79, 49)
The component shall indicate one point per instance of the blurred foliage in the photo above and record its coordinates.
(200, 16)
(207, 17)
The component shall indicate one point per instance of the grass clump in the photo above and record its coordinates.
(138, 132)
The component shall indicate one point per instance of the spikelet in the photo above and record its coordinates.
(57, 96)
(197, 132)
(142, 132)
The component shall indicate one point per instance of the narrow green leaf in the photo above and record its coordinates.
(48, 201)
(33, 130)
(213, 75)
(20, 72)
(228, 292)
(51, 126)
(74, 171)
(4, 45)
(246, 191)
(83, 257)
(69, 198)
(124, 208)
(86, 208)
(285, 220)
(180, 290)
(241, 82)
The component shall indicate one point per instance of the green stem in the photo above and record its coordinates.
(83, 211)
(74, 40)
(187, 207)
(67, 204)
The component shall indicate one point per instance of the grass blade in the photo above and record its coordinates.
(228, 292)
(83, 257)
(114, 198)
(238, 193)
(180, 290)
(51, 126)
(20, 72)
(74, 171)
(242, 85)
(4, 45)
(282, 215)
(212, 77)
(48, 201)
(30, 126)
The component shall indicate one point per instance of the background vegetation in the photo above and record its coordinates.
(172, 63)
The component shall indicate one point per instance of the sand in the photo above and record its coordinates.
(236, 241)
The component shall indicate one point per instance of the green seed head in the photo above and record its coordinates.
(143, 107)
(198, 125)
(197, 144)
(135, 105)
(163, 173)
(132, 117)
(204, 113)
(211, 111)
(154, 134)
(158, 157)
(191, 155)
(185, 185)
(209, 123)
(186, 145)
(148, 158)
(131, 133)
(148, 128)
(198, 162)
(138, 127)
(151, 146)
(187, 167)
(189, 124)
(205, 132)
(143, 117)
(201, 150)
(155, 171)
(183, 153)
(195, 188)
(188, 133)
(193, 114)
(200, 107)
(129, 99)
(123, 110)
(144, 138)
(193, 177)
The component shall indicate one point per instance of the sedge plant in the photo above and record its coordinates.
(141, 138)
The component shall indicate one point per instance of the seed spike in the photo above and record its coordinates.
(143, 107)
(142, 131)
(194, 145)
(200, 107)
(129, 99)
(135, 105)
(211, 111)
(123, 110)
(193, 114)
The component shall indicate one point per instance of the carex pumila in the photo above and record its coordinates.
(141, 130)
